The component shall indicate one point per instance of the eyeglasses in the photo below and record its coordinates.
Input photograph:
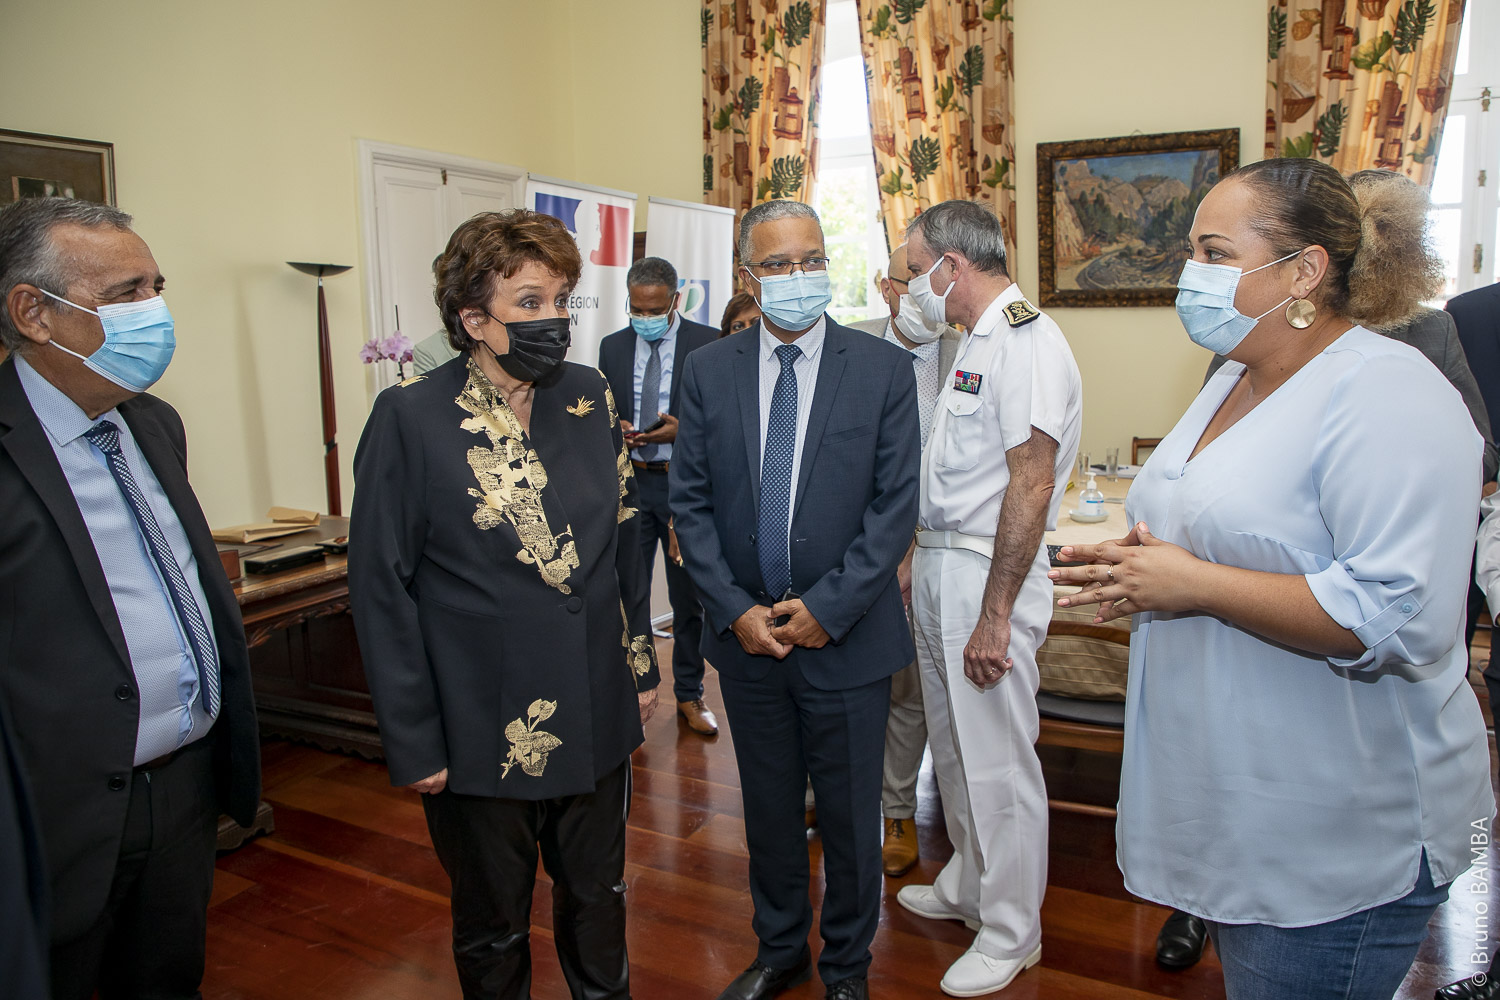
(786, 266)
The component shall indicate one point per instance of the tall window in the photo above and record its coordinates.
(847, 200)
(1466, 209)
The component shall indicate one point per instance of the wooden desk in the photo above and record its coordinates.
(305, 665)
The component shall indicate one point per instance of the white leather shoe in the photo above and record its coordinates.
(975, 974)
(922, 900)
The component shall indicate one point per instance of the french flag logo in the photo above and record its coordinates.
(614, 249)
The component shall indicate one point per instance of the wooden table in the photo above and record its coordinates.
(305, 666)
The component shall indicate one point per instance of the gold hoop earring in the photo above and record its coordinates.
(1300, 313)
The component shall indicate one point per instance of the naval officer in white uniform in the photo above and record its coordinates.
(993, 475)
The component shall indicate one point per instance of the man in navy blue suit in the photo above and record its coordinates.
(642, 363)
(794, 488)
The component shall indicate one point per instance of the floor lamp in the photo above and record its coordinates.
(325, 383)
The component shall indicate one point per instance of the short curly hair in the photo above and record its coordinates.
(495, 245)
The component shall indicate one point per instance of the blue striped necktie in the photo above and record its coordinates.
(776, 476)
(106, 437)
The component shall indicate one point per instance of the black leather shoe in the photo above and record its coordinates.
(762, 981)
(853, 988)
(1180, 943)
(1480, 987)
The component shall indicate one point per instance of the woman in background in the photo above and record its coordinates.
(739, 312)
(1304, 761)
(502, 610)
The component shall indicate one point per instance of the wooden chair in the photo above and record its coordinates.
(1136, 444)
(1080, 723)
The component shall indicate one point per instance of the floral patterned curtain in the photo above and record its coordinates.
(940, 79)
(761, 60)
(1361, 83)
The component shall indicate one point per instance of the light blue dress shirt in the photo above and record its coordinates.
(1262, 784)
(929, 377)
(165, 674)
(645, 415)
(806, 370)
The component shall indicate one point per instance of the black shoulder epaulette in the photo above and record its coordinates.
(1020, 312)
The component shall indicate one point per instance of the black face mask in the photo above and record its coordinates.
(537, 349)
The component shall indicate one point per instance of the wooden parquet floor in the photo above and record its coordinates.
(346, 900)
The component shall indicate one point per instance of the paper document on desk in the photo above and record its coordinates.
(281, 521)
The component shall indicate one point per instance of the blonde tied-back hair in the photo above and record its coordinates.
(1380, 262)
(1407, 269)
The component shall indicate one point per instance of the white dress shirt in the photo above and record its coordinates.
(1265, 784)
(926, 367)
(645, 411)
(166, 675)
(806, 370)
(1028, 378)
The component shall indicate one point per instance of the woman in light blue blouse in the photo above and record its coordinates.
(1304, 760)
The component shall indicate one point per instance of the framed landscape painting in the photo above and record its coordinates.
(1114, 214)
(50, 166)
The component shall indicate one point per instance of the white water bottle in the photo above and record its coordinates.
(1091, 501)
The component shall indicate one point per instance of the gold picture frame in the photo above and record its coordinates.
(1113, 214)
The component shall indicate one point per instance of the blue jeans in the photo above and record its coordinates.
(1363, 956)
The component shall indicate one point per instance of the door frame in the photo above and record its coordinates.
(371, 152)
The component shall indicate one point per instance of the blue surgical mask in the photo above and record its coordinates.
(651, 328)
(795, 301)
(138, 342)
(1205, 304)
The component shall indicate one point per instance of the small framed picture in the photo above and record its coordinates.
(1113, 214)
(51, 166)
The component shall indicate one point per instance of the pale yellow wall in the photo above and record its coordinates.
(235, 133)
(1099, 68)
(235, 130)
(637, 97)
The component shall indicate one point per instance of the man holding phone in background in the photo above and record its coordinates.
(641, 363)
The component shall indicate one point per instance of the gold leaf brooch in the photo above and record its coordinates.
(582, 408)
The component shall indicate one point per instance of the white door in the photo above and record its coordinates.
(413, 201)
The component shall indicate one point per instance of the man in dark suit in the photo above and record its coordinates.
(1477, 315)
(125, 671)
(642, 363)
(23, 880)
(794, 487)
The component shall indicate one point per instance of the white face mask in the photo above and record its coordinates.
(934, 307)
(913, 325)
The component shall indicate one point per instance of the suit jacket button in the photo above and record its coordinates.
(575, 604)
(116, 782)
(123, 692)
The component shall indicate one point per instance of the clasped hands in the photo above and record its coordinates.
(758, 636)
(1139, 572)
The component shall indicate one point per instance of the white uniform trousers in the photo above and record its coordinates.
(983, 749)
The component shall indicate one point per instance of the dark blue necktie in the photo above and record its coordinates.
(776, 476)
(106, 437)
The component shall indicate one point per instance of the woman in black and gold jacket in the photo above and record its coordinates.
(503, 609)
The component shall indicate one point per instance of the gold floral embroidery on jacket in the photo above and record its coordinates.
(511, 480)
(640, 653)
(622, 461)
(529, 746)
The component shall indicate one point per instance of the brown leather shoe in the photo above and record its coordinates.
(898, 855)
(698, 717)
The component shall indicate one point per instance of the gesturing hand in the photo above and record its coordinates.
(801, 629)
(1139, 572)
(985, 659)
(753, 630)
(432, 785)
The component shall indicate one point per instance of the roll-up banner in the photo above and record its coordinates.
(698, 240)
(602, 220)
